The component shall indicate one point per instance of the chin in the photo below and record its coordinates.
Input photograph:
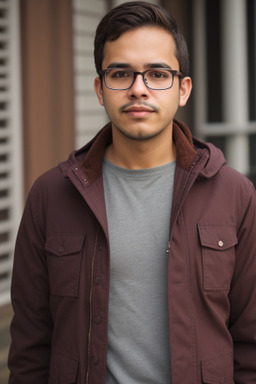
(140, 134)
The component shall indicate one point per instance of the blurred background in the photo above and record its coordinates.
(48, 106)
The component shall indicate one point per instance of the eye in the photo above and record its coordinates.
(159, 74)
(120, 73)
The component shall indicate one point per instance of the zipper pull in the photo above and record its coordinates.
(168, 247)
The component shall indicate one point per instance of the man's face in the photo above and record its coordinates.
(140, 113)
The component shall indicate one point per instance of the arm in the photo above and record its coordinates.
(243, 297)
(31, 327)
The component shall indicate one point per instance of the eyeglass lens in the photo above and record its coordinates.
(153, 78)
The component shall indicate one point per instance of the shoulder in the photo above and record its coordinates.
(217, 171)
(238, 190)
(50, 190)
(232, 179)
(48, 182)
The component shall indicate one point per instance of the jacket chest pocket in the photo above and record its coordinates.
(218, 255)
(64, 254)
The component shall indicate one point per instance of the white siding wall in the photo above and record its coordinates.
(10, 140)
(90, 116)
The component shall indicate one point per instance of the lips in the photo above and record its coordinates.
(133, 108)
(138, 111)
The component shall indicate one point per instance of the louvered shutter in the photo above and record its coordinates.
(90, 116)
(10, 140)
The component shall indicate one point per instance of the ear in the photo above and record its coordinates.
(185, 90)
(98, 90)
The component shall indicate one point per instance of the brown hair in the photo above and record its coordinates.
(132, 15)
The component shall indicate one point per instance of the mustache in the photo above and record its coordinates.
(143, 103)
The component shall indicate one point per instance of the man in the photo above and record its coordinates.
(136, 258)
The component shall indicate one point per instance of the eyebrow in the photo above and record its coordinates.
(149, 65)
(119, 65)
(158, 65)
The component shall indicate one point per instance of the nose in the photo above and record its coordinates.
(139, 88)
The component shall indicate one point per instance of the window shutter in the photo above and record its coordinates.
(90, 116)
(10, 141)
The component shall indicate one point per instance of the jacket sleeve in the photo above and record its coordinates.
(31, 327)
(243, 296)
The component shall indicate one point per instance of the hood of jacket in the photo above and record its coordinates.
(89, 157)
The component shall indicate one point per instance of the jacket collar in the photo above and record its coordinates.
(92, 162)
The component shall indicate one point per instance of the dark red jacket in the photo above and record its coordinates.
(60, 281)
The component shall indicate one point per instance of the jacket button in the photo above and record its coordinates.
(97, 319)
(220, 243)
(97, 280)
(61, 249)
(95, 360)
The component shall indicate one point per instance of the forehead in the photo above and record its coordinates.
(142, 45)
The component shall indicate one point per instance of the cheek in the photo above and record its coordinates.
(169, 104)
(112, 101)
(111, 105)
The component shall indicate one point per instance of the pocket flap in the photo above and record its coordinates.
(219, 237)
(64, 244)
(219, 370)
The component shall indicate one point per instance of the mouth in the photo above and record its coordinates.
(138, 111)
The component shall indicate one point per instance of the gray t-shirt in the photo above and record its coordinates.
(138, 204)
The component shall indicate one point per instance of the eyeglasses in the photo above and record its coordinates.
(122, 79)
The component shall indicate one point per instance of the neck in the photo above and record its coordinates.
(141, 154)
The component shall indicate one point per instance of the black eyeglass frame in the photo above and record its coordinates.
(135, 74)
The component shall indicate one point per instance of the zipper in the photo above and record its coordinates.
(180, 199)
(90, 307)
(168, 247)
